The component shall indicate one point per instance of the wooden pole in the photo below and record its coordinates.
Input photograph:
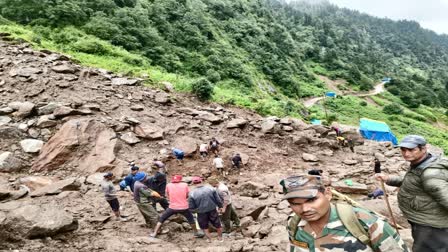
(386, 198)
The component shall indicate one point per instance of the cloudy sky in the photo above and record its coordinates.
(431, 14)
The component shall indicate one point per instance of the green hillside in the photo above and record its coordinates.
(260, 54)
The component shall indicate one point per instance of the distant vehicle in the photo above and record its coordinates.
(386, 79)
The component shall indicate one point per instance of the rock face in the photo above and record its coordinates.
(35, 221)
(150, 132)
(31, 145)
(8, 163)
(251, 189)
(209, 117)
(84, 138)
(70, 184)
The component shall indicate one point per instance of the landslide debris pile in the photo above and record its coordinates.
(62, 125)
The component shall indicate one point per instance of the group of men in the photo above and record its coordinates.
(318, 225)
(212, 203)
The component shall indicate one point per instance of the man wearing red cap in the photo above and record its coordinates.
(177, 193)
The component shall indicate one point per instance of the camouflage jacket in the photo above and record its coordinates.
(335, 237)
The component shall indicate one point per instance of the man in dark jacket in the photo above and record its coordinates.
(158, 183)
(423, 195)
(129, 179)
(204, 200)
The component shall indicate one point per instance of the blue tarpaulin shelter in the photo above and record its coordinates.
(376, 130)
(316, 122)
(330, 94)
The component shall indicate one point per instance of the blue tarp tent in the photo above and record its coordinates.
(330, 94)
(316, 122)
(376, 130)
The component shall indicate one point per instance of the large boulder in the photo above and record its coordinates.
(124, 81)
(251, 189)
(268, 126)
(70, 184)
(36, 221)
(309, 157)
(130, 138)
(31, 145)
(35, 182)
(9, 163)
(236, 123)
(84, 144)
(187, 144)
(150, 132)
(209, 117)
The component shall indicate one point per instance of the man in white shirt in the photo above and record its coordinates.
(219, 164)
(203, 151)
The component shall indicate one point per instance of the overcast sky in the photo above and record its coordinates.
(431, 14)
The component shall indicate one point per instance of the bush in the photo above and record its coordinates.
(363, 103)
(90, 46)
(393, 109)
(203, 89)
(213, 76)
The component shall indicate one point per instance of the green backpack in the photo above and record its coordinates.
(348, 219)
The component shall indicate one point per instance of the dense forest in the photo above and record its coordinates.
(254, 44)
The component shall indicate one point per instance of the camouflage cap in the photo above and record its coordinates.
(302, 186)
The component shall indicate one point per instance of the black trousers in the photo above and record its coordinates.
(429, 239)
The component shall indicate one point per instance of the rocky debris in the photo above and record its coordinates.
(64, 69)
(251, 189)
(26, 72)
(167, 86)
(380, 157)
(269, 126)
(149, 131)
(350, 161)
(35, 182)
(70, 184)
(355, 188)
(251, 231)
(48, 109)
(31, 145)
(8, 163)
(22, 109)
(130, 138)
(46, 121)
(8, 195)
(188, 111)
(236, 123)
(125, 81)
(137, 107)
(209, 117)
(86, 144)
(162, 98)
(63, 111)
(6, 110)
(35, 221)
(310, 157)
(5, 120)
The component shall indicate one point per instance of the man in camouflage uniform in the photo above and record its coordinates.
(320, 227)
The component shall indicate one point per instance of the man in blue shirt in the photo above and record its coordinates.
(129, 180)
